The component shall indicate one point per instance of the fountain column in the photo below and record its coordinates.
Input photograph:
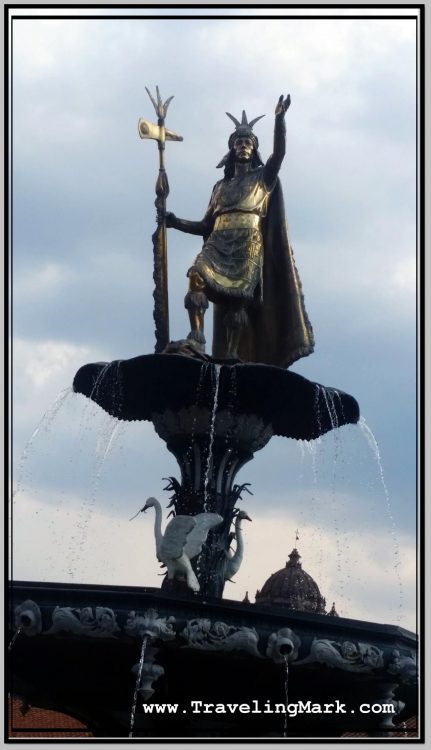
(210, 447)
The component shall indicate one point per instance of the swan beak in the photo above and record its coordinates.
(137, 514)
(247, 518)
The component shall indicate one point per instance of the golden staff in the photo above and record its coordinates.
(160, 134)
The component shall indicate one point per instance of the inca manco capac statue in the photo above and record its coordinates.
(246, 266)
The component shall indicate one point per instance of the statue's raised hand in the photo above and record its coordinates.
(283, 105)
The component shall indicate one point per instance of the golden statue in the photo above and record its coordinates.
(246, 265)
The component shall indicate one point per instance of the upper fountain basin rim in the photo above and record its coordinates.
(135, 389)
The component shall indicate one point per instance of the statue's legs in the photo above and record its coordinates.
(234, 316)
(235, 320)
(196, 303)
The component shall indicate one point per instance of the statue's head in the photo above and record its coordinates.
(243, 147)
(243, 144)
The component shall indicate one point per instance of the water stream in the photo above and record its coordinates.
(44, 425)
(91, 408)
(328, 398)
(211, 435)
(13, 639)
(98, 382)
(105, 442)
(191, 448)
(137, 686)
(372, 442)
(286, 693)
(313, 513)
(233, 390)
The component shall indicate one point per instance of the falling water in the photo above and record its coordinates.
(233, 388)
(330, 405)
(317, 408)
(211, 436)
(44, 424)
(300, 444)
(332, 412)
(119, 393)
(329, 401)
(341, 405)
(231, 407)
(104, 445)
(311, 448)
(286, 693)
(13, 639)
(98, 382)
(202, 373)
(137, 686)
(90, 408)
(372, 442)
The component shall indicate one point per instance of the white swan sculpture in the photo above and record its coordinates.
(182, 541)
(234, 560)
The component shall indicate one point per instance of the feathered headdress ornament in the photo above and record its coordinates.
(243, 129)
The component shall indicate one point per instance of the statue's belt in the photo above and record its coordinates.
(237, 220)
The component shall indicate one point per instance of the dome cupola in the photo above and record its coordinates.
(292, 588)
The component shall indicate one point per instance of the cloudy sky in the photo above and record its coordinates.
(83, 215)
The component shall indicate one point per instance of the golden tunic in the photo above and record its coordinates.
(231, 259)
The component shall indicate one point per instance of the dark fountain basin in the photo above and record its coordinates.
(136, 389)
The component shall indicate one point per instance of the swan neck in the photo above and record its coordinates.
(158, 524)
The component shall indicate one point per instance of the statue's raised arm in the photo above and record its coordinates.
(272, 166)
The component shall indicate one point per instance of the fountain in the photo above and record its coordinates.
(231, 669)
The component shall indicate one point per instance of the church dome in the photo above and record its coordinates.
(292, 588)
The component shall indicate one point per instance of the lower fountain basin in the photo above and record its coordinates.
(78, 652)
(137, 388)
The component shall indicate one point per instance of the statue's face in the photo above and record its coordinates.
(243, 148)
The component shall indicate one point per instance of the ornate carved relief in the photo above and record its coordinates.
(192, 421)
(150, 625)
(101, 624)
(403, 666)
(202, 634)
(346, 655)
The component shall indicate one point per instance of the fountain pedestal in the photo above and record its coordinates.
(210, 449)
(213, 418)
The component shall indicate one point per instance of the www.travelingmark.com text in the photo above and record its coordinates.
(256, 707)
